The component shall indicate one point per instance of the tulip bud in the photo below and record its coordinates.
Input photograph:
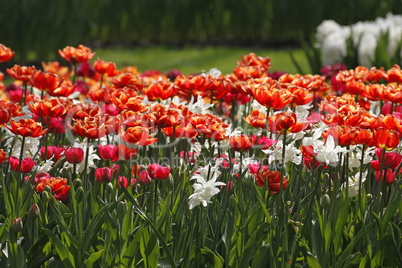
(369, 197)
(47, 189)
(65, 173)
(122, 208)
(109, 188)
(77, 183)
(34, 212)
(45, 196)
(17, 225)
(325, 201)
(79, 195)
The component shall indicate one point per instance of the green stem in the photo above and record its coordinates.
(360, 181)
(156, 201)
(380, 180)
(19, 175)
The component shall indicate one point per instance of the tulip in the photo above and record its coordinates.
(108, 152)
(6, 53)
(26, 165)
(273, 179)
(241, 143)
(55, 151)
(158, 172)
(105, 174)
(3, 157)
(26, 128)
(74, 155)
(144, 178)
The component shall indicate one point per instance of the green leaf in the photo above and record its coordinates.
(312, 261)
(93, 258)
(138, 210)
(392, 207)
(60, 248)
(149, 249)
(213, 257)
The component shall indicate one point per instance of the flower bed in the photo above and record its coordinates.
(112, 167)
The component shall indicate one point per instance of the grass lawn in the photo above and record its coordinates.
(195, 59)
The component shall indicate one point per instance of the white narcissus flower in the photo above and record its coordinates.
(199, 107)
(257, 106)
(328, 153)
(31, 145)
(44, 167)
(292, 154)
(354, 184)
(355, 157)
(204, 189)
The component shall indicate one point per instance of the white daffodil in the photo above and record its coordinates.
(199, 107)
(44, 167)
(214, 72)
(354, 184)
(355, 157)
(257, 106)
(31, 145)
(328, 153)
(204, 189)
(292, 154)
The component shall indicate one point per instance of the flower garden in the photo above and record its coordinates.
(109, 167)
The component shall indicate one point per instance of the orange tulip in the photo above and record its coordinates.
(76, 55)
(128, 80)
(8, 110)
(90, 127)
(159, 116)
(308, 151)
(191, 86)
(45, 81)
(58, 185)
(65, 89)
(21, 73)
(285, 122)
(3, 157)
(48, 107)
(343, 135)
(81, 111)
(6, 53)
(126, 98)
(241, 143)
(244, 73)
(272, 98)
(386, 138)
(273, 179)
(54, 67)
(365, 137)
(394, 74)
(26, 128)
(160, 90)
(103, 67)
(252, 59)
(137, 135)
(125, 153)
(256, 119)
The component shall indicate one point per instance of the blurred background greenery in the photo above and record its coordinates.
(36, 29)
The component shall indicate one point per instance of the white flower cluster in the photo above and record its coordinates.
(331, 39)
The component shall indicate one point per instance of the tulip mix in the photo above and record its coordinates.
(112, 167)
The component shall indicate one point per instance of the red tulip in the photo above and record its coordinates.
(144, 178)
(158, 172)
(26, 165)
(74, 155)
